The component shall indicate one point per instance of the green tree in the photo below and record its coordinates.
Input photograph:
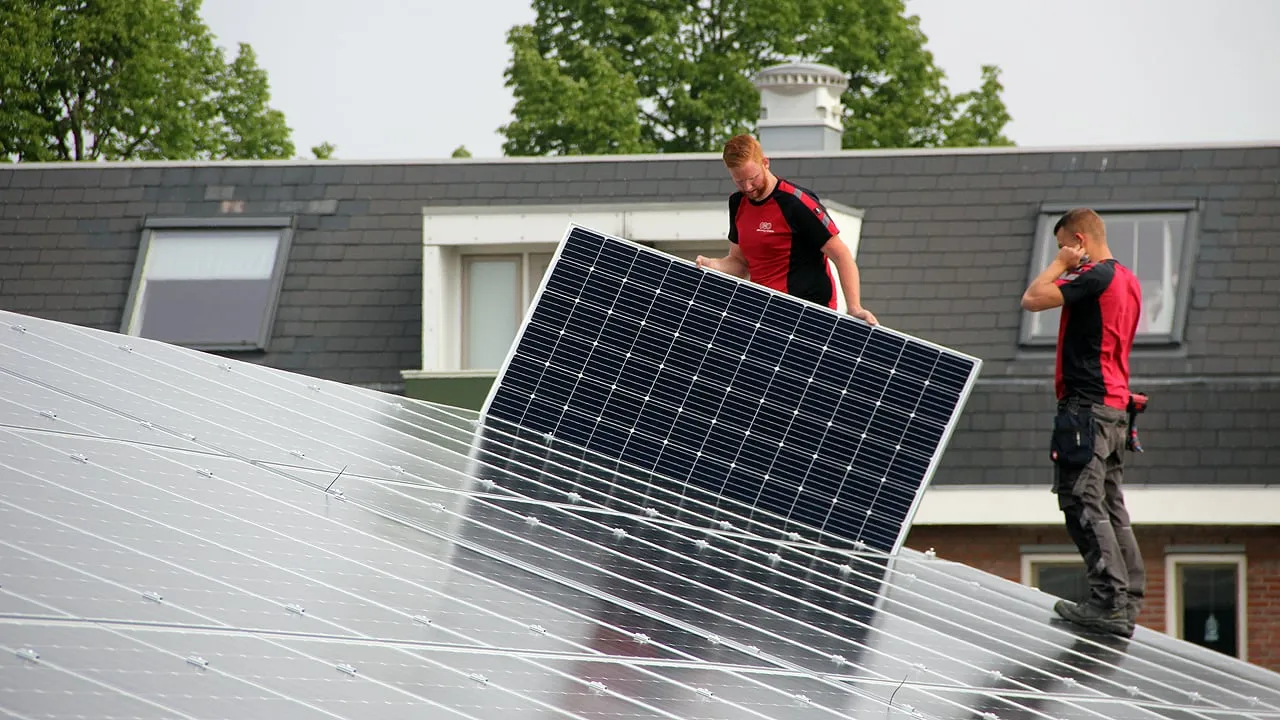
(626, 76)
(461, 152)
(590, 110)
(982, 114)
(128, 80)
(324, 151)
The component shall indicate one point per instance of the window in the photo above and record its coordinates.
(1205, 603)
(1157, 244)
(496, 290)
(208, 284)
(1057, 573)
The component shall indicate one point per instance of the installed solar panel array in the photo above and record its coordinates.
(804, 418)
(183, 536)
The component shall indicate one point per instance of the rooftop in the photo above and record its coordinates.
(185, 535)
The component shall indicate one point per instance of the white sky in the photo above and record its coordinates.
(412, 79)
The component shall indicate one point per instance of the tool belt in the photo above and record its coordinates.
(1073, 438)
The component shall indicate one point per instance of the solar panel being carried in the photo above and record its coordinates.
(187, 536)
(795, 415)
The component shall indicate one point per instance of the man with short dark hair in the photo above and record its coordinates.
(1101, 301)
(781, 236)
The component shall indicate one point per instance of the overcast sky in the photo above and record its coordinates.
(412, 79)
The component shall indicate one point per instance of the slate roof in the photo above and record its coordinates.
(945, 254)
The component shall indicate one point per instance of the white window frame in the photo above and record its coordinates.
(1045, 248)
(1173, 591)
(152, 225)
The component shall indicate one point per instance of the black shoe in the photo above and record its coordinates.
(1116, 621)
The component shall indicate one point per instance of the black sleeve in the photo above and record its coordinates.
(811, 226)
(1085, 283)
(734, 200)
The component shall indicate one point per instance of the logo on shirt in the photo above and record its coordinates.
(765, 227)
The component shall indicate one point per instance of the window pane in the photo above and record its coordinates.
(1157, 271)
(206, 255)
(538, 263)
(1066, 581)
(492, 310)
(1122, 239)
(1209, 610)
(205, 312)
(207, 288)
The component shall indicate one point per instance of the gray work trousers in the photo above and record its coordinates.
(1092, 504)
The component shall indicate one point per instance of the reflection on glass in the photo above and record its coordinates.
(492, 310)
(1064, 580)
(1208, 608)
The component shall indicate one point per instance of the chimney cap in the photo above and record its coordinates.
(799, 75)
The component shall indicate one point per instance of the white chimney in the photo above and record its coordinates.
(800, 107)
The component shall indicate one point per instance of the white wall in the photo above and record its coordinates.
(450, 233)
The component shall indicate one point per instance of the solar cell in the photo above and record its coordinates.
(171, 577)
(802, 417)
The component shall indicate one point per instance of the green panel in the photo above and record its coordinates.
(466, 391)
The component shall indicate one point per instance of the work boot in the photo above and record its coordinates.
(1134, 607)
(1096, 617)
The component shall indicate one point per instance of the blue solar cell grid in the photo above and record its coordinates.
(799, 413)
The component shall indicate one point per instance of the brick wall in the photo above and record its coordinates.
(995, 549)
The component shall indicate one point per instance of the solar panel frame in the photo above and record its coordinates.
(487, 418)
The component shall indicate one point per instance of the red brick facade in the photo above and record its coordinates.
(996, 549)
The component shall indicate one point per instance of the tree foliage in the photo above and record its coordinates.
(128, 80)
(324, 151)
(627, 76)
(982, 114)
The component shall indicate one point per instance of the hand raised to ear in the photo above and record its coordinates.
(1072, 257)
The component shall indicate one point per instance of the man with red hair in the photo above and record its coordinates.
(781, 236)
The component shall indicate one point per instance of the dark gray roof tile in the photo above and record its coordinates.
(660, 170)
(357, 175)
(1229, 157)
(806, 168)
(126, 194)
(387, 175)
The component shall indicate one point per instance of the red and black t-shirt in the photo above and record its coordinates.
(782, 237)
(1101, 303)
